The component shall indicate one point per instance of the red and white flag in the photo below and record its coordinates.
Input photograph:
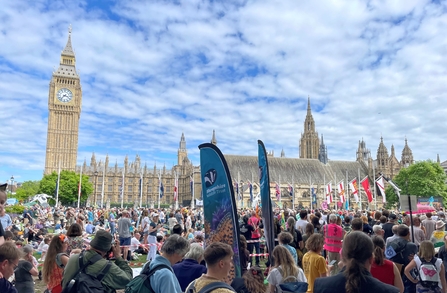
(381, 188)
(329, 193)
(176, 188)
(354, 189)
(365, 184)
(341, 191)
(278, 192)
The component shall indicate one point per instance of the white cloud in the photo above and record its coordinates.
(152, 70)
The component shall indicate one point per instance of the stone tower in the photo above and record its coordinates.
(363, 154)
(382, 158)
(322, 156)
(309, 143)
(213, 139)
(407, 155)
(182, 153)
(64, 106)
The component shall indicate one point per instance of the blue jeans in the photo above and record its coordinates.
(257, 249)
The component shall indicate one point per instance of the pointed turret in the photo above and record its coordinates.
(322, 155)
(107, 162)
(283, 155)
(407, 155)
(68, 50)
(309, 143)
(93, 161)
(438, 160)
(383, 158)
(182, 153)
(116, 167)
(84, 166)
(213, 139)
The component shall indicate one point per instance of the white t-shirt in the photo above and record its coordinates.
(301, 225)
(145, 224)
(275, 278)
(134, 244)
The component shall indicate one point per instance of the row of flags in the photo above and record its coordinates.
(355, 190)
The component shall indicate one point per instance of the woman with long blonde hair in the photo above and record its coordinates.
(426, 255)
(284, 269)
(52, 272)
(250, 282)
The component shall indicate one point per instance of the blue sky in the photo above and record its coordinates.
(151, 70)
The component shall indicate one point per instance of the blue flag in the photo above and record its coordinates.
(219, 203)
(314, 196)
(266, 201)
(162, 189)
(389, 252)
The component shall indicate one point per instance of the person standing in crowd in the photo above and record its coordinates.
(356, 277)
(427, 254)
(172, 221)
(190, 268)
(442, 254)
(366, 227)
(9, 261)
(251, 282)
(285, 238)
(119, 274)
(284, 269)
(388, 227)
(2, 208)
(219, 261)
(314, 264)
(419, 235)
(333, 237)
(55, 261)
(394, 237)
(25, 271)
(382, 269)
(112, 221)
(124, 232)
(302, 222)
(437, 237)
(145, 224)
(5, 220)
(152, 238)
(75, 240)
(429, 224)
(378, 231)
(246, 230)
(255, 235)
(173, 250)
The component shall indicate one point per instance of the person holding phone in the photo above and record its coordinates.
(152, 238)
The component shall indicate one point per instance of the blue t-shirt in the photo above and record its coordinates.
(6, 286)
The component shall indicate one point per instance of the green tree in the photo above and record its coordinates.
(68, 187)
(28, 188)
(424, 179)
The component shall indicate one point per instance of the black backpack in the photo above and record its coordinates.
(208, 288)
(83, 282)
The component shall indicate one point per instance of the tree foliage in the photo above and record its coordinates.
(423, 179)
(68, 186)
(28, 188)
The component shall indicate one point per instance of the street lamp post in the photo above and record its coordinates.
(96, 178)
(12, 183)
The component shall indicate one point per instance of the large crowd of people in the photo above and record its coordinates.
(323, 250)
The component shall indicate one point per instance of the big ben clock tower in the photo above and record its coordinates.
(64, 106)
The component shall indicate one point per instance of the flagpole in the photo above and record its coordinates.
(80, 185)
(122, 190)
(193, 199)
(324, 187)
(141, 188)
(176, 189)
(360, 195)
(311, 194)
(375, 193)
(347, 197)
(335, 192)
(58, 182)
(293, 194)
(239, 197)
(102, 188)
(251, 195)
(159, 189)
(279, 184)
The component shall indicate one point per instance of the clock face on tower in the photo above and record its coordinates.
(64, 95)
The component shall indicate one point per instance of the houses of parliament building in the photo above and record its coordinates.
(313, 168)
